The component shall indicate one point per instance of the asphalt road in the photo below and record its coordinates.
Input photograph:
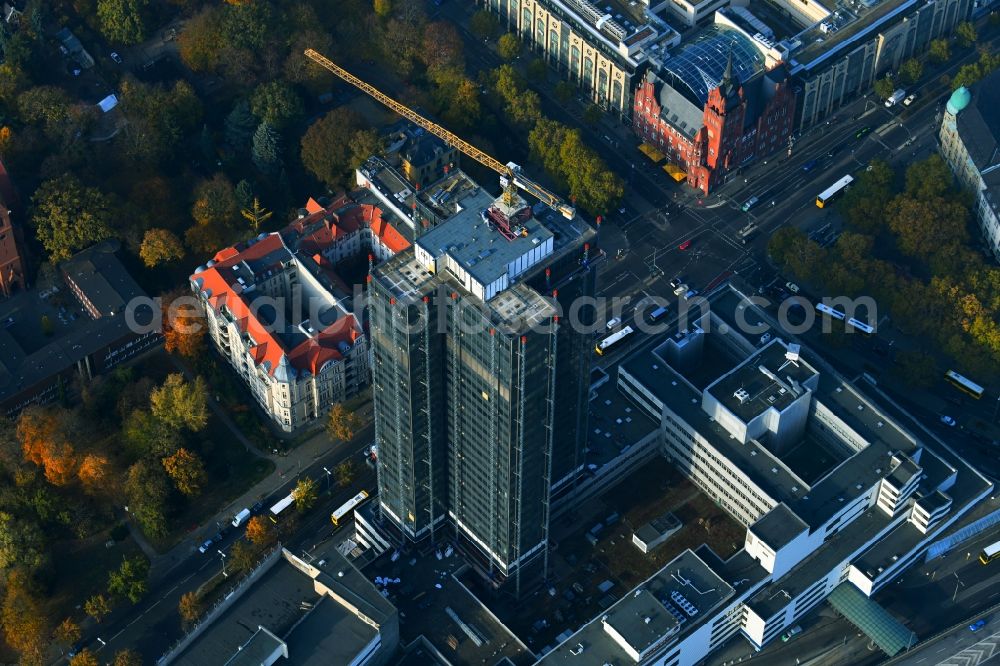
(153, 625)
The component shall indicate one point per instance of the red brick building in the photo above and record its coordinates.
(12, 267)
(738, 121)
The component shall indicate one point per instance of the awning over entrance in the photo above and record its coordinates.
(876, 622)
(651, 152)
(675, 172)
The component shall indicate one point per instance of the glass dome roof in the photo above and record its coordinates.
(699, 65)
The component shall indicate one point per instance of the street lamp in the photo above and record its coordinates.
(327, 480)
(958, 581)
(223, 556)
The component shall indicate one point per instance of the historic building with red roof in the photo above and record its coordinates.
(12, 269)
(284, 319)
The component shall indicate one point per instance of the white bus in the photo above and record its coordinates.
(613, 340)
(823, 308)
(829, 193)
(860, 326)
(990, 553)
(963, 384)
(348, 507)
(280, 510)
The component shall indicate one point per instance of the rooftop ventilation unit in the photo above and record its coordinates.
(742, 395)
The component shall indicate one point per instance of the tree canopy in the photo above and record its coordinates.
(70, 216)
(336, 144)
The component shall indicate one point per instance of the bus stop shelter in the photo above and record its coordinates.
(877, 623)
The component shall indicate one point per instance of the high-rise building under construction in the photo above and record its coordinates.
(480, 374)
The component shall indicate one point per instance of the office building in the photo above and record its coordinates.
(314, 611)
(279, 310)
(12, 267)
(603, 46)
(707, 131)
(480, 393)
(970, 143)
(94, 318)
(837, 492)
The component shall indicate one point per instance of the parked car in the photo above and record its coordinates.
(117, 58)
(909, 100)
(788, 635)
(691, 293)
(613, 322)
(947, 420)
(676, 282)
(792, 287)
(204, 548)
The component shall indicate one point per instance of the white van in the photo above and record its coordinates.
(240, 517)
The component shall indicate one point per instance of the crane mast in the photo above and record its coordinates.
(511, 174)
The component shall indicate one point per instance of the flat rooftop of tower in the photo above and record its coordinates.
(480, 247)
(676, 599)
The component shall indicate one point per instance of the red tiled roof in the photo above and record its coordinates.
(314, 353)
(387, 233)
(313, 206)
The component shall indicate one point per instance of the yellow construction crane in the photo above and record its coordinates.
(511, 176)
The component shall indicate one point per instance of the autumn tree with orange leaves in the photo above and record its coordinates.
(44, 443)
(183, 325)
(186, 470)
(93, 474)
(260, 531)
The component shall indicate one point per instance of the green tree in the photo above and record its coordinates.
(442, 46)
(69, 216)
(147, 490)
(508, 46)
(215, 202)
(382, 8)
(335, 145)
(305, 493)
(146, 435)
(244, 194)
(181, 404)
(189, 607)
(266, 149)
(21, 543)
(346, 473)
(928, 179)
(592, 114)
(939, 50)
(916, 368)
(276, 103)
(159, 118)
(160, 246)
(242, 556)
(864, 203)
(342, 424)
(456, 98)
(967, 75)
(884, 87)
(186, 470)
(911, 70)
(127, 657)
(198, 43)
(965, 34)
(483, 25)
(564, 91)
(256, 214)
(239, 127)
(67, 632)
(537, 70)
(24, 618)
(97, 607)
(122, 20)
(923, 226)
(130, 580)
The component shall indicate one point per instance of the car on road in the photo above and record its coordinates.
(976, 626)
(750, 203)
(613, 322)
(676, 282)
(680, 289)
(691, 293)
(205, 547)
(810, 165)
(862, 132)
(117, 58)
(947, 420)
(685, 245)
(792, 287)
(910, 98)
(791, 633)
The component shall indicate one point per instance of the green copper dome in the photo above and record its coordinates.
(959, 100)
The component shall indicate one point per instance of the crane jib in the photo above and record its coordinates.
(509, 177)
